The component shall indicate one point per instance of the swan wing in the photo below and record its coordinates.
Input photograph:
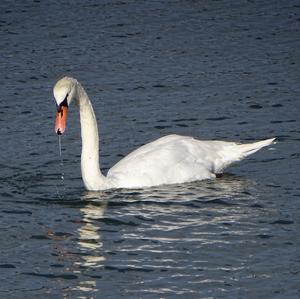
(177, 159)
(169, 160)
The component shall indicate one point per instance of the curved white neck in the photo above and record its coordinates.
(90, 168)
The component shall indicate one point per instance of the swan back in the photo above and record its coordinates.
(176, 159)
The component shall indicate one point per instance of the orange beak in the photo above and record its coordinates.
(61, 120)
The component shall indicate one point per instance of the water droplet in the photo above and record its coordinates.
(62, 176)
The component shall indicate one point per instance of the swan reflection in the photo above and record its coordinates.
(229, 186)
(155, 214)
(89, 240)
(89, 243)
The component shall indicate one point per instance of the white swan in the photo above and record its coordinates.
(167, 160)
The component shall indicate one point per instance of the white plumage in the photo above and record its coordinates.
(176, 159)
(167, 160)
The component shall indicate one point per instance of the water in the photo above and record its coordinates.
(62, 169)
(212, 69)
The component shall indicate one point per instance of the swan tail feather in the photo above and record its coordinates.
(251, 148)
(236, 152)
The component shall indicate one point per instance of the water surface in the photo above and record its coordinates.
(211, 69)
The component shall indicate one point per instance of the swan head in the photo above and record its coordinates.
(64, 92)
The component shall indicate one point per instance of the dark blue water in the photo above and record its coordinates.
(211, 69)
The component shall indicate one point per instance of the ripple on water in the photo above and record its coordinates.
(52, 276)
(235, 237)
(7, 266)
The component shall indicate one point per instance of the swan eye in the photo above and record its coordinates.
(64, 103)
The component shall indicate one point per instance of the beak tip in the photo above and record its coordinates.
(59, 131)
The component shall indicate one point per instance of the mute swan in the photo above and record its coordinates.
(167, 160)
